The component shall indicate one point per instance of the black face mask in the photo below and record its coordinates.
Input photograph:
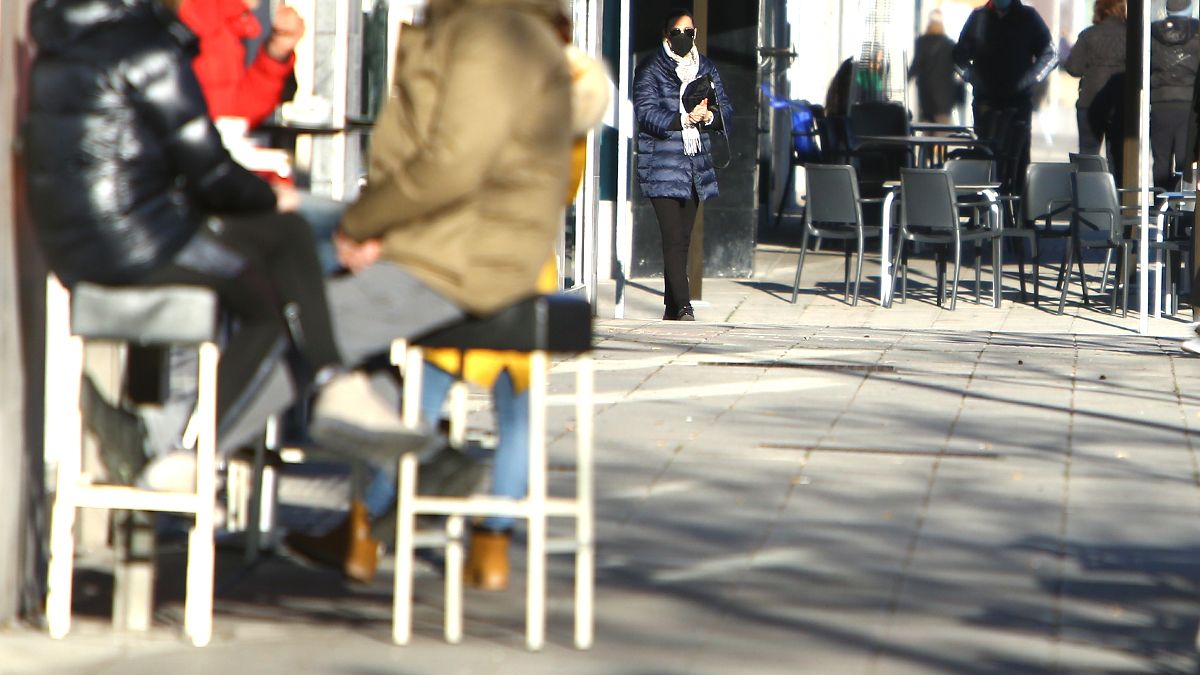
(681, 43)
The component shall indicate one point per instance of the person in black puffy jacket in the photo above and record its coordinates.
(129, 184)
(674, 166)
(1174, 61)
(1004, 52)
(933, 68)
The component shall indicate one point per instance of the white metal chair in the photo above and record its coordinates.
(541, 325)
(164, 315)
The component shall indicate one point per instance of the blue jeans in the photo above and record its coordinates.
(323, 215)
(510, 470)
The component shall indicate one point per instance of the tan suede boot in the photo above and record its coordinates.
(349, 547)
(487, 559)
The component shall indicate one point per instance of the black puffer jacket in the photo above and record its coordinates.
(1003, 57)
(123, 163)
(933, 67)
(1174, 59)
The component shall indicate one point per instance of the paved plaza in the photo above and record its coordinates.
(809, 488)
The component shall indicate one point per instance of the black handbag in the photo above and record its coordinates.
(696, 91)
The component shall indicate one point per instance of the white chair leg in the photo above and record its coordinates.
(454, 579)
(407, 489)
(62, 400)
(535, 618)
(584, 528)
(458, 414)
(197, 622)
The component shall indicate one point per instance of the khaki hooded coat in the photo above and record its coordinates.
(470, 156)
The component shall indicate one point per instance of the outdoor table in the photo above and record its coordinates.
(988, 190)
(926, 144)
(936, 128)
(1167, 201)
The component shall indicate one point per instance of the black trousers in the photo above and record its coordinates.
(1102, 125)
(1168, 142)
(675, 220)
(1008, 124)
(264, 269)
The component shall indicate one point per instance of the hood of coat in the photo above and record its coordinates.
(1174, 30)
(548, 8)
(56, 24)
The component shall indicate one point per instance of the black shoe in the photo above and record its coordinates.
(686, 314)
(120, 433)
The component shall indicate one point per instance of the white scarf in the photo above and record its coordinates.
(687, 67)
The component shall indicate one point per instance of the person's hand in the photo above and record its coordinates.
(356, 256)
(287, 198)
(699, 113)
(286, 30)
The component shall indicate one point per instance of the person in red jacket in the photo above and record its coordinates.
(231, 88)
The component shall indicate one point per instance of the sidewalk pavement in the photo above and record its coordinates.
(810, 488)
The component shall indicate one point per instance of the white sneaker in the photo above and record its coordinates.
(352, 418)
(1191, 346)
(174, 471)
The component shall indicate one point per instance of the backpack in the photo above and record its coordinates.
(804, 130)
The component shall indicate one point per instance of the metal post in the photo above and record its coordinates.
(1144, 170)
(22, 529)
(624, 110)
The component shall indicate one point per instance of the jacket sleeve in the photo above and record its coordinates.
(1044, 60)
(1077, 60)
(964, 49)
(251, 91)
(258, 91)
(167, 96)
(652, 117)
(725, 108)
(483, 92)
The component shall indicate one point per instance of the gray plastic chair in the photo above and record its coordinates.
(834, 211)
(971, 171)
(1046, 201)
(930, 213)
(1096, 207)
(1088, 162)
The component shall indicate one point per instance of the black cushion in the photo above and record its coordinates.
(144, 314)
(552, 323)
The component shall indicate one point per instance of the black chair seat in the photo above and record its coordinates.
(552, 323)
(148, 315)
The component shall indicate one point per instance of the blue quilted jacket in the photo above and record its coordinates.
(663, 170)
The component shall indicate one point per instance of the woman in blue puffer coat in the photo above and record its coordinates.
(674, 166)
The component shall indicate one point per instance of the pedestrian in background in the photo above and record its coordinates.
(1174, 61)
(1004, 50)
(675, 168)
(1098, 60)
(932, 67)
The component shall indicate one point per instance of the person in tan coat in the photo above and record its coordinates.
(486, 203)
(469, 162)
(470, 156)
